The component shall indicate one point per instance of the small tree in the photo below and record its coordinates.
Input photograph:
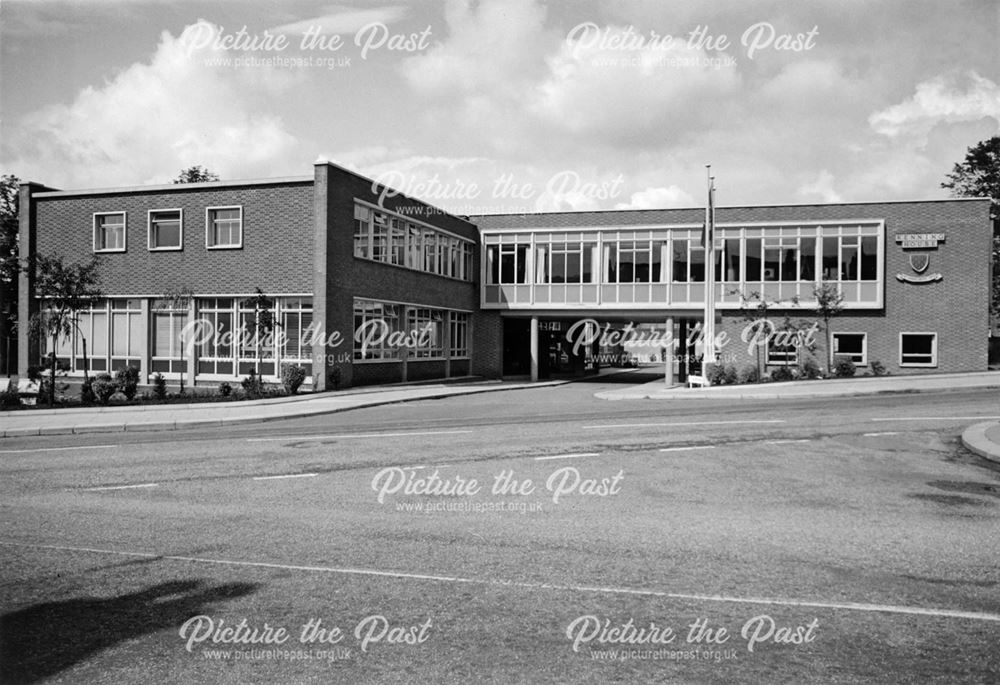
(756, 309)
(179, 299)
(65, 289)
(263, 323)
(196, 174)
(829, 303)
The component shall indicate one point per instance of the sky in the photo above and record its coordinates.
(506, 106)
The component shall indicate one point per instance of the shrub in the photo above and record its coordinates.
(843, 367)
(127, 379)
(225, 390)
(10, 398)
(715, 374)
(782, 373)
(810, 367)
(253, 386)
(159, 387)
(87, 391)
(878, 368)
(730, 375)
(104, 387)
(749, 374)
(292, 377)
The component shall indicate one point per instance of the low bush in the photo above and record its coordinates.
(730, 375)
(104, 387)
(10, 399)
(253, 386)
(87, 391)
(749, 374)
(782, 373)
(843, 367)
(810, 367)
(878, 368)
(292, 378)
(715, 374)
(127, 379)
(225, 389)
(159, 387)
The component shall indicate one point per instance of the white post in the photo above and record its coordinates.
(668, 376)
(534, 349)
(708, 327)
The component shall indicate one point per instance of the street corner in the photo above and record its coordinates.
(983, 439)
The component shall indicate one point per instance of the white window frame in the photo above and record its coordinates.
(124, 247)
(934, 350)
(209, 224)
(864, 345)
(149, 230)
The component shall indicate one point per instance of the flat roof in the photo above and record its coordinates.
(175, 186)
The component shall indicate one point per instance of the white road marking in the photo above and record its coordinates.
(875, 435)
(938, 418)
(290, 475)
(123, 487)
(302, 438)
(689, 447)
(61, 449)
(609, 590)
(688, 423)
(784, 442)
(569, 456)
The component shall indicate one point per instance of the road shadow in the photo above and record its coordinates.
(42, 640)
(624, 377)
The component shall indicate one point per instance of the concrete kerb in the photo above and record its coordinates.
(166, 425)
(976, 439)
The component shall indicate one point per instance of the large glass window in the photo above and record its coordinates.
(165, 229)
(376, 330)
(513, 264)
(731, 260)
(362, 232)
(426, 330)
(458, 323)
(753, 260)
(296, 331)
(168, 320)
(215, 353)
(256, 337)
(225, 227)
(109, 232)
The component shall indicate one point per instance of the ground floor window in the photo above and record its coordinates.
(782, 355)
(427, 329)
(853, 346)
(167, 348)
(376, 327)
(918, 349)
(458, 323)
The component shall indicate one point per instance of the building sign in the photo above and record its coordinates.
(552, 326)
(911, 241)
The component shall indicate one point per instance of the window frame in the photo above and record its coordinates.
(210, 224)
(124, 247)
(934, 350)
(180, 230)
(864, 346)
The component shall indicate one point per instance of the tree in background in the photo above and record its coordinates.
(978, 175)
(196, 174)
(65, 289)
(9, 269)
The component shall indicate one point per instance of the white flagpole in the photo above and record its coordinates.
(708, 327)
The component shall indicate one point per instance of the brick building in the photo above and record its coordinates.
(369, 286)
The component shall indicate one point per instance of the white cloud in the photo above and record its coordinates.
(340, 20)
(658, 198)
(821, 187)
(156, 118)
(948, 98)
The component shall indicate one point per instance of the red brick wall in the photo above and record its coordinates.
(277, 240)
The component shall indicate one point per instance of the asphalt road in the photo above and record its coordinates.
(848, 540)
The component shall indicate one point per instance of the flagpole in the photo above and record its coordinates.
(708, 327)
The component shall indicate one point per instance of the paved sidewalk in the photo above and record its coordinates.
(206, 415)
(983, 439)
(839, 387)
